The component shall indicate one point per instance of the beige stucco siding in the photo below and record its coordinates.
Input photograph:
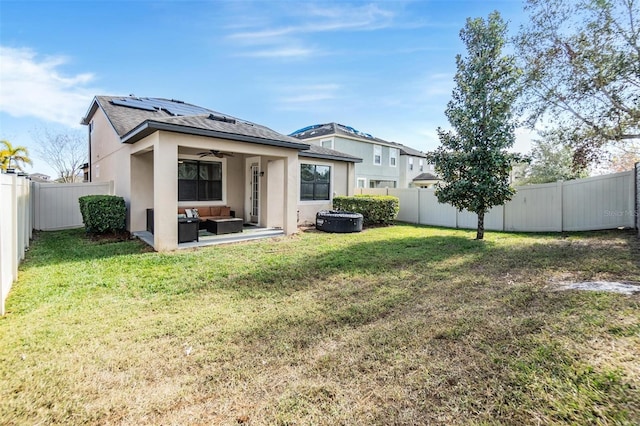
(109, 157)
(341, 184)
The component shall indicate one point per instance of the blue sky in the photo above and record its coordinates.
(385, 68)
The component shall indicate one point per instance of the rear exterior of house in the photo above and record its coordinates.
(384, 164)
(164, 154)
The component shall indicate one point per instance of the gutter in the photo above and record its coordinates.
(148, 127)
(330, 157)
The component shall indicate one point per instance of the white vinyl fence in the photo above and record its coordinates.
(56, 206)
(15, 229)
(602, 202)
(637, 190)
(25, 206)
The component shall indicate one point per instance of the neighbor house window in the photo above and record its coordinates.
(410, 163)
(199, 181)
(421, 165)
(315, 181)
(362, 183)
(377, 155)
(393, 157)
(327, 143)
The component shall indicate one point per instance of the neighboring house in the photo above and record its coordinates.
(425, 180)
(40, 178)
(164, 154)
(384, 164)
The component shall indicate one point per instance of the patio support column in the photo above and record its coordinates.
(165, 195)
(291, 193)
(351, 178)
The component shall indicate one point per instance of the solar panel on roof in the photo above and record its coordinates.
(133, 103)
(177, 107)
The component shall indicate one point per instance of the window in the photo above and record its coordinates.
(377, 155)
(421, 165)
(315, 181)
(362, 183)
(199, 181)
(327, 143)
(410, 163)
(393, 157)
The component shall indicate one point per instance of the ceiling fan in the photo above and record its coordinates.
(215, 153)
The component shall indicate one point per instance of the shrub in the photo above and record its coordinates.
(103, 213)
(382, 209)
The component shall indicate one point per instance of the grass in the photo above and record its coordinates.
(399, 325)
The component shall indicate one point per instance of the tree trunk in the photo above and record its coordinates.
(480, 234)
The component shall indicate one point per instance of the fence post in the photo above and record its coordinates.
(636, 177)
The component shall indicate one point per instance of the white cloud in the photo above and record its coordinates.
(368, 17)
(279, 52)
(305, 95)
(34, 87)
(278, 39)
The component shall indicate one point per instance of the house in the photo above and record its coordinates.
(163, 154)
(385, 164)
(40, 178)
(425, 180)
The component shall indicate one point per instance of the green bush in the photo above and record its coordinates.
(103, 213)
(382, 209)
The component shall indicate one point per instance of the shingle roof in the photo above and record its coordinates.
(318, 130)
(426, 176)
(316, 151)
(131, 123)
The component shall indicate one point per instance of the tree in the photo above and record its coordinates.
(625, 158)
(13, 156)
(551, 161)
(65, 152)
(582, 71)
(473, 161)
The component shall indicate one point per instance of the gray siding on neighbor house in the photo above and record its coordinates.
(407, 174)
(367, 169)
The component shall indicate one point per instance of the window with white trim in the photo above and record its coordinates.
(410, 163)
(421, 165)
(377, 155)
(327, 143)
(393, 157)
(199, 180)
(362, 183)
(315, 181)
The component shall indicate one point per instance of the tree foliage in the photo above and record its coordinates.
(473, 160)
(624, 158)
(551, 161)
(65, 152)
(13, 157)
(582, 71)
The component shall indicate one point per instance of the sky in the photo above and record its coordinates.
(385, 68)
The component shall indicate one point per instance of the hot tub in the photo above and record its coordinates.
(338, 221)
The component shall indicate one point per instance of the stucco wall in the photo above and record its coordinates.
(340, 184)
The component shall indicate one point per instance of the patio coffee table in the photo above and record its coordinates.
(224, 226)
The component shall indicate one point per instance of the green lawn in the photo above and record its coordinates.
(400, 325)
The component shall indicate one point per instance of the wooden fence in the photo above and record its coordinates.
(601, 202)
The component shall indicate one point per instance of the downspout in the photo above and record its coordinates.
(89, 159)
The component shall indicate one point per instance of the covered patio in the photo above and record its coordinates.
(249, 233)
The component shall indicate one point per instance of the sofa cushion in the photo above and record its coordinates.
(225, 211)
(215, 211)
(204, 211)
